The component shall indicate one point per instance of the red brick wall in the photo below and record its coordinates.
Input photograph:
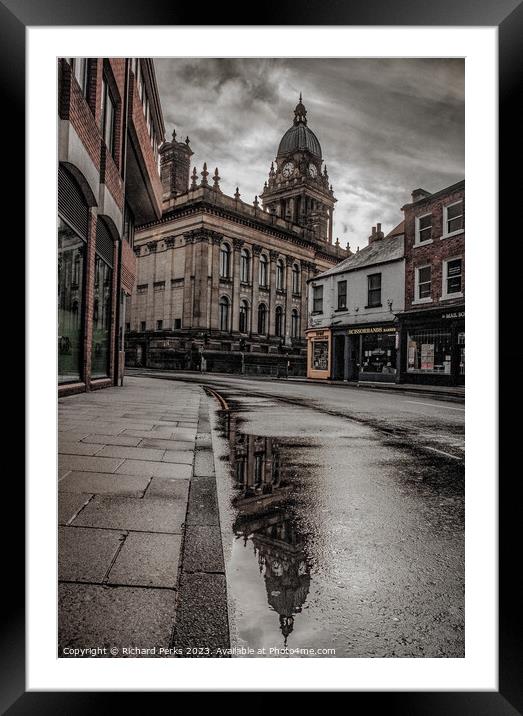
(111, 177)
(74, 107)
(434, 253)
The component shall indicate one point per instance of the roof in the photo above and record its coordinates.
(398, 230)
(297, 138)
(380, 251)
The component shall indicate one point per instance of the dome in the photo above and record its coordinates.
(297, 138)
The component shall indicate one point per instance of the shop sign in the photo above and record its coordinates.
(456, 314)
(372, 329)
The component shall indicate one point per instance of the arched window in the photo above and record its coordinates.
(262, 319)
(245, 266)
(280, 273)
(263, 270)
(224, 313)
(295, 324)
(278, 326)
(295, 278)
(225, 261)
(244, 317)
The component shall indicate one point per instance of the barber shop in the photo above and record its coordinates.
(366, 353)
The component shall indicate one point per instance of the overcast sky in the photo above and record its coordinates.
(385, 126)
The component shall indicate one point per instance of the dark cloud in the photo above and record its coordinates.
(385, 126)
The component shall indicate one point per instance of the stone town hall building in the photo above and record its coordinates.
(225, 280)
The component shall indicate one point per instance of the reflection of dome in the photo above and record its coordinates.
(299, 137)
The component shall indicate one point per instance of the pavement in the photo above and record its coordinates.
(141, 570)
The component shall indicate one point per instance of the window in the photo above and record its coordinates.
(159, 325)
(378, 353)
(128, 225)
(423, 229)
(278, 325)
(453, 218)
(177, 323)
(317, 299)
(108, 117)
(224, 313)
(424, 283)
(295, 324)
(245, 261)
(342, 295)
(244, 317)
(80, 71)
(225, 261)
(374, 290)
(429, 351)
(142, 326)
(295, 279)
(452, 278)
(71, 252)
(280, 273)
(101, 318)
(262, 319)
(263, 270)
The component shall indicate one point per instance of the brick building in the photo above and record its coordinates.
(224, 282)
(432, 326)
(110, 128)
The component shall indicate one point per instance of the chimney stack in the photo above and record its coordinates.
(418, 194)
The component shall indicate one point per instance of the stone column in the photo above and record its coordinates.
(168, 318)
(256, 251)
(188, 282)
(215, 281)
(331, 210)
(151, 295)
(201, 272)
(237, 246)
(304, 275)
(289, 261)
(273, 255)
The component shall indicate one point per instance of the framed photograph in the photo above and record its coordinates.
(259, 344)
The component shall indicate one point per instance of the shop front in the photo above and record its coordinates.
(366, 353)
(433, 347)
(319, 354)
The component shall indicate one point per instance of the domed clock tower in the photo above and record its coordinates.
(298, 188)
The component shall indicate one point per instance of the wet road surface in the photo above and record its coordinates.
(342, 516)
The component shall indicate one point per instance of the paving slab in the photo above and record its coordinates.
(100, 616)
(168, 444)
(69, 503)
(203, 463)
(85, 555)
(76, 448)
(88, 464)
(104, 483)
(203, 503)
(132, 453)
(168, 487)
(156, 514)
(125, 440)
(201, 618)
(147, 559)
(155, 469)
(203, 549)
(183, 457)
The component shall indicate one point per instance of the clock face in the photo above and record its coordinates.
(313, 171)
(287, 170)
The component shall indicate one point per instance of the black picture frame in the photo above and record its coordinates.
(507, 16)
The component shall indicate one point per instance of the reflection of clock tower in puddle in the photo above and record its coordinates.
(298, 188)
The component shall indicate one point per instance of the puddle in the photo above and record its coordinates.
(330, 551)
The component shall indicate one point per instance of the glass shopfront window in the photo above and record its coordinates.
(103, 275)
(378, 353)
(429, 351)
(71, 252)
(320, 355)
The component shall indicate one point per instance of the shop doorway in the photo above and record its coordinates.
(338, 372)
